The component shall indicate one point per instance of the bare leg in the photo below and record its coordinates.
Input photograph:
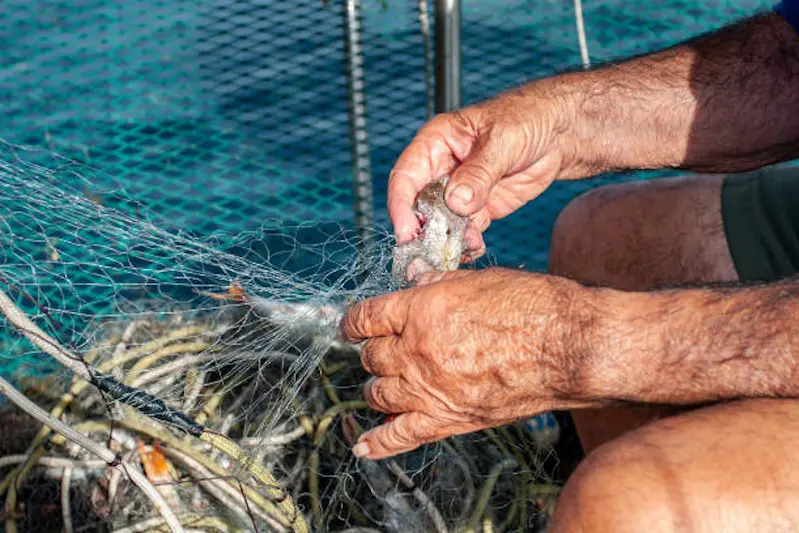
(730, 468)
(638, 236)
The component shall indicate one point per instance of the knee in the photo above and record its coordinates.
(619, 488)
(582, 234)
(644, 233)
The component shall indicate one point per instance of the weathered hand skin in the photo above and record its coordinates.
(444, 365)
(500, 154)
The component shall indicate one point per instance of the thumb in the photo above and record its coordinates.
(470, 184)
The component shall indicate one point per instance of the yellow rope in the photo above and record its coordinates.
(314, 461)
(18, 475)
(209, 409)
(167, 351)
(282, 510)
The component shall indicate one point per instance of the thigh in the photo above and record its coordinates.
(730, 468)
(686, 230)
(645, 234)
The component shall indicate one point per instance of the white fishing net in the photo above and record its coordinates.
(223, 378)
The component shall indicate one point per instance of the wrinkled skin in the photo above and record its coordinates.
(443, 366)
(506, 151)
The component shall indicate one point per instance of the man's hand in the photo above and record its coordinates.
(665, 110)
(500, 155)
(468, 350)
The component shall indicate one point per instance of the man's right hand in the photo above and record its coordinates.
(500, 154)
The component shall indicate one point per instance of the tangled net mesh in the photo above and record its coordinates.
(240, 334)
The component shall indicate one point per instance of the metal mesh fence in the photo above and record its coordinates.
(216, 115)
(520, 40)
(225, 115)
(220, 115)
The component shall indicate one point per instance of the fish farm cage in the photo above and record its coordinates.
(191, 192)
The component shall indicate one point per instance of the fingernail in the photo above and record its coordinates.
(463, 193)
(361, 449)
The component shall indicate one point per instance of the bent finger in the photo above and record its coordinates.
(392, 395)
(378, 356)
(406, 432)
(433, 152)
(471, 183)
(475, 245)
(376, 317)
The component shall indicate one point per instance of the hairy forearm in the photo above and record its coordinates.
(693, 345)
(725, 102)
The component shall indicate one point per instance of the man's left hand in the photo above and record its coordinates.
(464, 351)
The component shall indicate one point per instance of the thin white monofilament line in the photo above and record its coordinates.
(66, 510)
(425, 501)
(223, 491)
(264, 301)
(41, 339)
(136, 477)
(276, 440)
(54, 462)
(581, 36)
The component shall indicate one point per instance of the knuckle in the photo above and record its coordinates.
(354, 323)
(475, 174)
(399, 177)
(426, 343)
(367, 355)
(459, 117)
(462, 120)
(441, 120)
(481, 220)
(366, 312)
(422, 432)
(376, 395)
(417, 434)
(399, 435)
(348, 328)
(366, 315)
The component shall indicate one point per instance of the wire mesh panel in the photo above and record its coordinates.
(507, 43)
(216, 115)
(227, 125)
(222, 115)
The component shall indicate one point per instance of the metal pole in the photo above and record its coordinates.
(448, 55)
(363, 203)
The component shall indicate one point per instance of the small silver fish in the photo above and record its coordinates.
(441, 241)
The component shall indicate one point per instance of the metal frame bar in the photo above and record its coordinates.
(448, 55)
(362, 191)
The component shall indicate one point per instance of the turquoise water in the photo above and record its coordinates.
(221, 115)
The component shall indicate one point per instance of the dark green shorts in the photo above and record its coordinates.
(760, 210)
